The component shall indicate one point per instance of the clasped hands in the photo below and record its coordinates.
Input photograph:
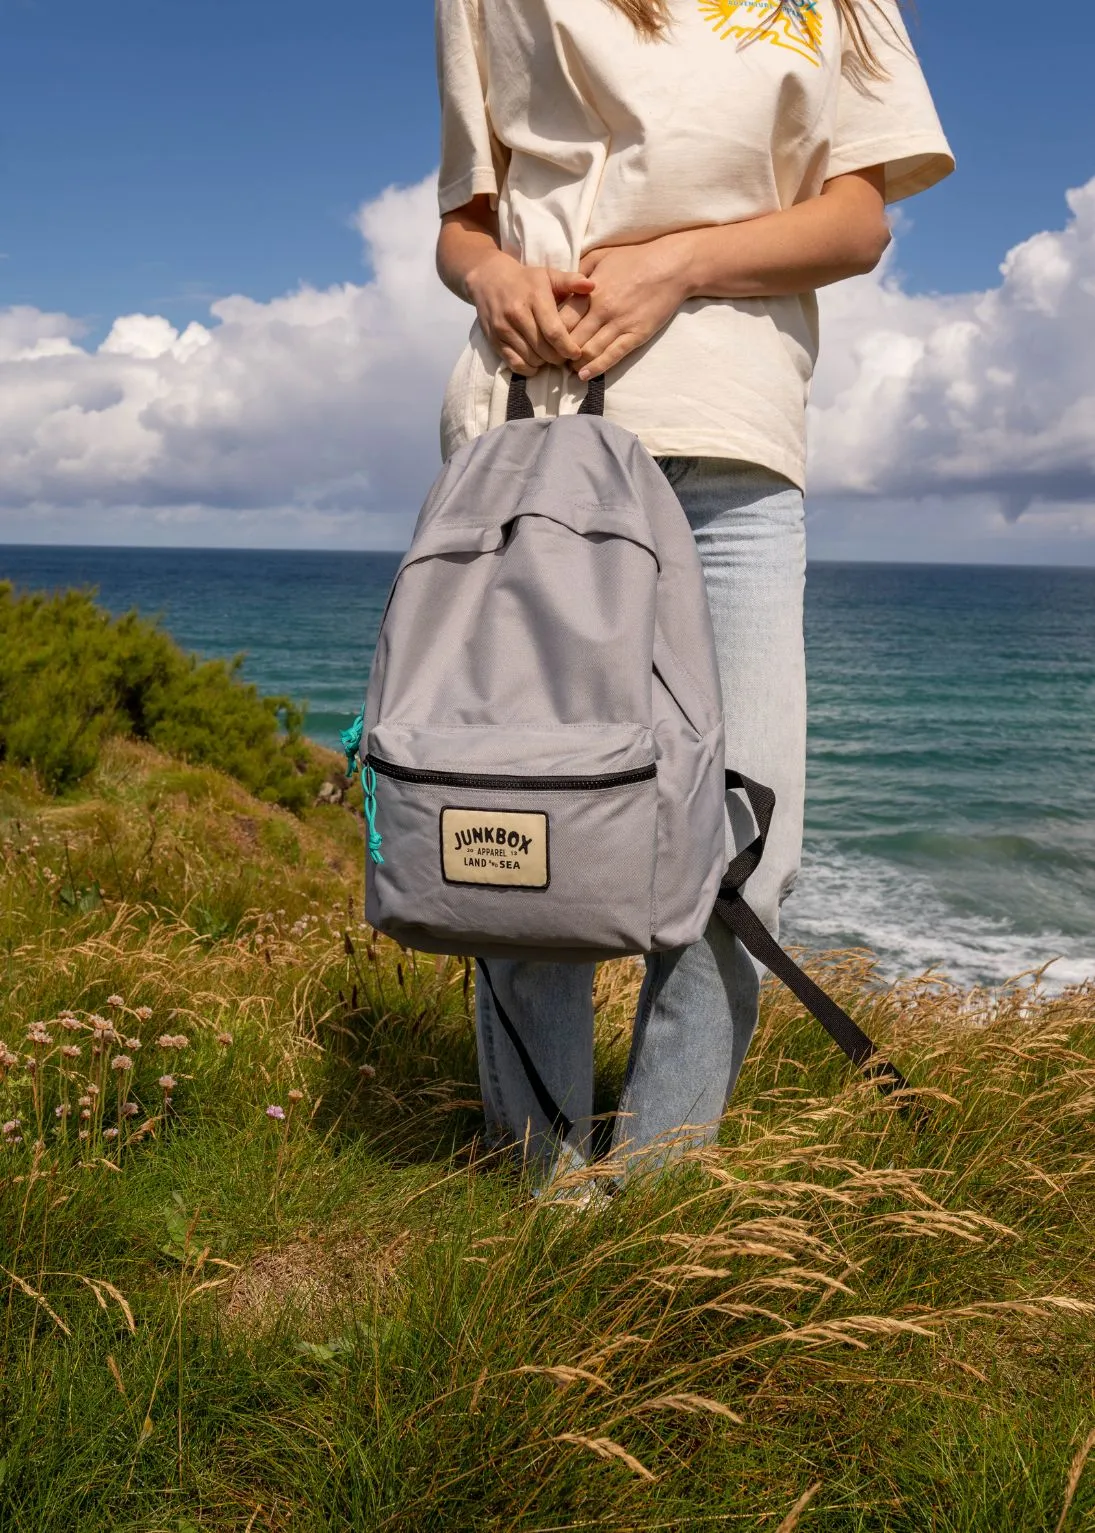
(588, 320)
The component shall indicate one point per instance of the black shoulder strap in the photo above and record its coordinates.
(750, 930)
(755, 936)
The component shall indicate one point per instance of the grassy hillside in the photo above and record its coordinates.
(257, 1273)
(73, 677)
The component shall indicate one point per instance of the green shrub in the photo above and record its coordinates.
(71, 676)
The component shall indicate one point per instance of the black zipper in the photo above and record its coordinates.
(495, 781)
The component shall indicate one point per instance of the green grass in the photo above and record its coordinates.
(357, 1318)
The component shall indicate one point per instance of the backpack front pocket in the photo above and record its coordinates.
(553, 853)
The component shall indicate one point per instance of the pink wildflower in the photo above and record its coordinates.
(121, 1062)
(225, 1040)
(166, 1082)
(274, 1111)
(115, 1001)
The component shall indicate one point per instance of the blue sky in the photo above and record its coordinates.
(156, 156)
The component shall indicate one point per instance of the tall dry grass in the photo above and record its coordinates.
(293, 1290)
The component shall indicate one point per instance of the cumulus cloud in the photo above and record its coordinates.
(324, 402)
(979, 394)
(318, 411)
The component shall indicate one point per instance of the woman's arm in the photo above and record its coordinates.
(518, 306)
(842, 233)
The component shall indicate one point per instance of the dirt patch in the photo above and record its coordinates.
(310, 1277)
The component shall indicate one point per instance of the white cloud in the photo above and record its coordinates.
(314, 416)
(980, 394)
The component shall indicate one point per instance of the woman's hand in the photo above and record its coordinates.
(841, 233)
(518, 308)
(638, 290)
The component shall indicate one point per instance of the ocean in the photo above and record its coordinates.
(951, 783)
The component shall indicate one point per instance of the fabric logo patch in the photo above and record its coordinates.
(501, 849)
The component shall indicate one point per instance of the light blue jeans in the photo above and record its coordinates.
(698, 1005)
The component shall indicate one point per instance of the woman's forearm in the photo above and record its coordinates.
(467, 238)
(842, 233)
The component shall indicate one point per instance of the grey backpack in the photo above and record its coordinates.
(543, 744)
(542, 740)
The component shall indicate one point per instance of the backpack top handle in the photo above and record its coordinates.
(519, 405)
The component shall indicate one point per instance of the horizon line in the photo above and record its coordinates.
(194, 548)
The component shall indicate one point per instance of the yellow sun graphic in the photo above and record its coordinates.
(792, 24)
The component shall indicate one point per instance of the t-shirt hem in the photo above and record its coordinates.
(789, 465)
(455, 194)
(914, 162)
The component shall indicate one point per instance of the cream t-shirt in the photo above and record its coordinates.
(589, 135)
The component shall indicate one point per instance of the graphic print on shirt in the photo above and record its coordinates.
(795, 25)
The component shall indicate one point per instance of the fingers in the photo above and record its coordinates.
(553, 331)
(607, 348)
(516, 337)
(564, 284)
(516, 362)
(572, 310)
(522, 320)
(594, 322)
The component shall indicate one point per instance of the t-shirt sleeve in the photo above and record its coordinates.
(472, 160)
(890, 121)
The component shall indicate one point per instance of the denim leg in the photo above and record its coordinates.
(698, 1007)
(551, 1006)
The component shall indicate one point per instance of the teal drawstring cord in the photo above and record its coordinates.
(376, 841)
(351, 741)
(351, 744)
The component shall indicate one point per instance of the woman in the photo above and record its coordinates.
(654, 189)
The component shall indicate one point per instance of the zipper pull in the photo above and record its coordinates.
(376, 841)
(351, 740)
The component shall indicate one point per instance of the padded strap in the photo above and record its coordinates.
(519, 405)
(751, 931)
(551, 1110)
